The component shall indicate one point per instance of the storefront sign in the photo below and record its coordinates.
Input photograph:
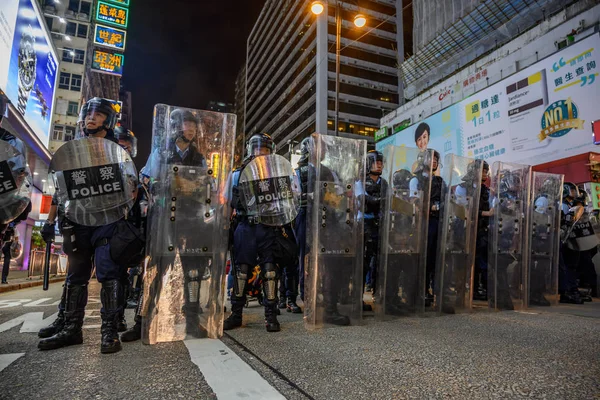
(110, 63)
(110, 37)
(112, 14)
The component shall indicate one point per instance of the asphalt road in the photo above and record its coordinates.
(534, 354)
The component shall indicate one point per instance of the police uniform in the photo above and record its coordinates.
(253, 243)
(86, 247)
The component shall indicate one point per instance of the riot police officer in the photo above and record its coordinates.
(19, 166)
(483, 222)
(302, 172)
(424, 164)
(568, 258)
(97, 119)
(375, 190)
(252, 241)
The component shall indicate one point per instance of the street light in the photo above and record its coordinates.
(360, 20)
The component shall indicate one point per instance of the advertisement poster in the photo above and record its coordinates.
(540, 114)
(28, 64)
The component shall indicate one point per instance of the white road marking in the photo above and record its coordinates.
(32, 322)
(7, 359)
(218, 363)
(38, 303)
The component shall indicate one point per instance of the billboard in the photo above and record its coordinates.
(112, 14)
(537, 115)
(28, 64)
(109, 63)
(110, 37)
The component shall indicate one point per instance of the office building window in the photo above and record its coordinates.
(71, 29)
(82, 31)
(64, 80)
(67, 54)
(79, 57)
(49, 22)
(73, 109)
(57, 132)
(76, 83)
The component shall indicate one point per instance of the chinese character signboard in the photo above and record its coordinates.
(112, 14)
(110, 63)
(110, 37)
(540, 114)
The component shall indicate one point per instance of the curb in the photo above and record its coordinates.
(16, 286)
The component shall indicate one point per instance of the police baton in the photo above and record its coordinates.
(47, 265)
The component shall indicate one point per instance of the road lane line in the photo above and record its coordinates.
(7, 359)
(227, 374)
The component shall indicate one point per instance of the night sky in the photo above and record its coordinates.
(184, 53)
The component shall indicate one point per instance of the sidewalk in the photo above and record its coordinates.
(19, 280)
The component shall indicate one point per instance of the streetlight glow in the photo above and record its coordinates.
(67, 38)
(61, 20)
(317, 7)
(360, 20)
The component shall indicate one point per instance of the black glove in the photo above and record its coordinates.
(48, 232)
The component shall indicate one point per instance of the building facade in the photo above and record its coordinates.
(239, 110)
(70, 25)
(290, 86)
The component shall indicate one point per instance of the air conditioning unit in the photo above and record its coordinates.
(50, 9)
(56, 35)
(83, 17)
(70, 14)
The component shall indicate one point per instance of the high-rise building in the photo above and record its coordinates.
(70, 25)
(291, 69)
(239, 109)
(126, 109)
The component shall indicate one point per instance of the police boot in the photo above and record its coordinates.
(271, 322)
(282, 302)
(70, 334)
(110, 296)
(538, 299)
(585, 294)
(235, 318)
(572, 297)
(133, 300)
(135, 332)
(292, 306)
(332, 316)
(59, 322)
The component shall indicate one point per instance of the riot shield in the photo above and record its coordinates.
(401, 283)
(15, 185)
(458, 231)
(544, 225)
(188, 224)
(508, 236)
(271, 190)
(96, 181)
(333, 288)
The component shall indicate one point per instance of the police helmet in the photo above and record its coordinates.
(259, 141)
(372, 157)
(424, 160)
(102, 106)
(509, 181)
(178, 117)
(125, 135)
(567, 188)
(401, 179)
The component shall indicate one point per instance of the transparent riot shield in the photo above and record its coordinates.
(15, 184)
(188, 224)
(271, 190)
(333, 287)
(401, 283)
(508, 236)
(458, 232)
(96, 181)
(544, 226)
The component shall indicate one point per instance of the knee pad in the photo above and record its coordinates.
(193, 285)
(269, 273)
(241, 277)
